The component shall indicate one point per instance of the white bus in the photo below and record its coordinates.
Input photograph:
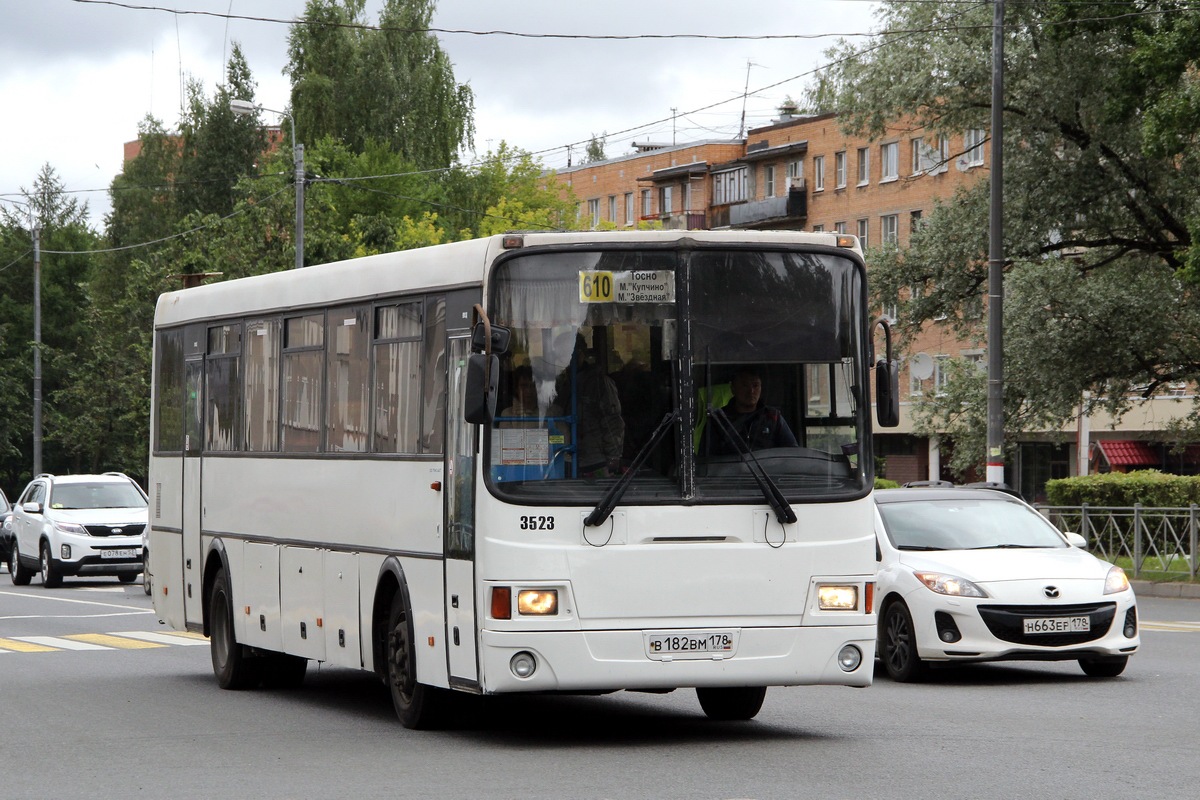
(348, 465)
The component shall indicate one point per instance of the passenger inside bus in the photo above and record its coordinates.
(757, 424)
(523, 413)
(584, 390)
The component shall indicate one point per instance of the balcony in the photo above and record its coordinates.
(679, 221)
(789, 210)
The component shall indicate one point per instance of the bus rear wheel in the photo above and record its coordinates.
(415, 703)
(232, 666)
(731, 703)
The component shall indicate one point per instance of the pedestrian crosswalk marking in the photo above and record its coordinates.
(120, 640)
(180, 637)
(16, 646)
(109, 640)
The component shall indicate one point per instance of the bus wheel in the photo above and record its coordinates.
(731, 703)
(414, 702)
(233, 668)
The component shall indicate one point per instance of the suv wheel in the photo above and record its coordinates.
(50, 576)
(20, 575)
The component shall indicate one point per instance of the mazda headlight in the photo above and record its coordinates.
(1116, 581)
(951, 585)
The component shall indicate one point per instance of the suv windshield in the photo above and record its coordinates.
(75, 496)
(755, 357)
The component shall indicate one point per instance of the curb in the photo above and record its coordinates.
(1188, 591)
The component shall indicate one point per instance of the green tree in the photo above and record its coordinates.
(393, 85)
(1100, 164)
(595, 149)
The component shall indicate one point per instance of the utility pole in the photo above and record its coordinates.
(995, 396)
(673, 110)
(37, 351)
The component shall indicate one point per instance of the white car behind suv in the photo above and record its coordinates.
(78, 525)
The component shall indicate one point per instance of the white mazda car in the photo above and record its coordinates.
(979, 575)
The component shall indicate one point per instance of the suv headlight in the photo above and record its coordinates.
(70, 527)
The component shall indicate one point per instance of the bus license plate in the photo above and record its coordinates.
(1036, 625)
(670, 645)
(127, 552)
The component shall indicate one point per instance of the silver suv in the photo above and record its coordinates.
(78, 525)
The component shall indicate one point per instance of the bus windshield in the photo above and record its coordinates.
(755, 358)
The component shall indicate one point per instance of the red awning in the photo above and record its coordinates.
(1119, 453)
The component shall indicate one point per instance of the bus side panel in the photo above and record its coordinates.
(301, 594)
(341, 624)
(256, 585)
(166, 567)
(424, 576)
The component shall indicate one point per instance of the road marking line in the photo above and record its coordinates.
(14, 646)
(138, 609)
(60, 643)
(1173, 627)
(181, 638)
(110, 640)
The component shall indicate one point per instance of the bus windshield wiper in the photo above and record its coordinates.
(783, 510)
(613, 495)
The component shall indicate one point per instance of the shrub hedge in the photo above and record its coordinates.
(1149, 487)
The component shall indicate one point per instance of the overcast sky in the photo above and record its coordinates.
(77, 76)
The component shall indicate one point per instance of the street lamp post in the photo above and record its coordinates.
(244, 108)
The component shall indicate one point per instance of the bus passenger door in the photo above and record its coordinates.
(459, 494)
(193, 444)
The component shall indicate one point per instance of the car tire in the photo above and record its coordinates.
(51, 577)
(146, 575)
(1103, 667)
(416, 704)
(731, 703)
(19, 574)
(898, 645)
(127, 578)
(234, 668)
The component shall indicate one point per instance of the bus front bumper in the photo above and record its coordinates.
(611, 660)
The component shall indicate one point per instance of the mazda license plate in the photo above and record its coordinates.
(1039, 625)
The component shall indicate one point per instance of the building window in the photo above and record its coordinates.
(818, 173)
(864, 165)
(687, 197)
(594, 211)
(930, 156)
(891, 309)
(839, 227)
(941, 373)
(729, 186)
(862, 233)
(973, 146)
(629, 208)
(795, 177)
(889, 229)
(818, 228)
(769, 181)
(665, 204)
(914, 221)
(839, 170)
(612, 208)
(889, 161)
(647, 204)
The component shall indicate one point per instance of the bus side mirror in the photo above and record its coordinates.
(887, 393)
(499, 339)
(483, 378)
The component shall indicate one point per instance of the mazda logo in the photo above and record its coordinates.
(1051, 592)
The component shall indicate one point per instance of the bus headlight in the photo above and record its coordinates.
(537, 602)
(837, 597)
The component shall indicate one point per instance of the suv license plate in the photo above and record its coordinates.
(671, 645)
(1036, 625)
(127, 552)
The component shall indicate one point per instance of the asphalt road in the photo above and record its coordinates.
(143, 717)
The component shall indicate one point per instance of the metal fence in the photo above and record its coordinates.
(1153, 540)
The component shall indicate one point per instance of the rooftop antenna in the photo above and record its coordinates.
(745, 93)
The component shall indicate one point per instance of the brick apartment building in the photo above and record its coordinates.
(804, 173)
